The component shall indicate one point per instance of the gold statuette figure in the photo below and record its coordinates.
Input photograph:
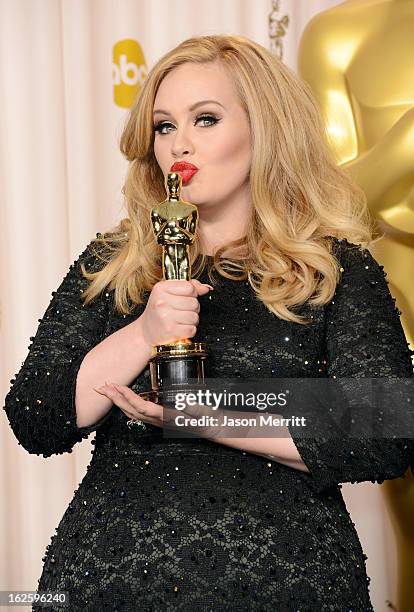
(175, 224)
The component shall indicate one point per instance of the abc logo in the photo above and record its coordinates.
(128, 71)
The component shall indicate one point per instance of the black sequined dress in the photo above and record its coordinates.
(192, 525)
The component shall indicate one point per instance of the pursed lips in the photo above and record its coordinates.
(185, 170)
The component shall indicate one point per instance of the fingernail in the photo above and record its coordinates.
(209, 286)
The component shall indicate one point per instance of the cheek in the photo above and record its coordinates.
(162, 155)
(233, 153)
(233, 143)
(158, 152)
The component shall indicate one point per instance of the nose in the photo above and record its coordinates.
(181, 144)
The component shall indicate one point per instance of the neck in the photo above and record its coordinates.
(220, 225)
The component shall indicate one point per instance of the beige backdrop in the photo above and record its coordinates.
(60, 182)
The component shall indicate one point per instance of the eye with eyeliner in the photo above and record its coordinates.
(159, 126)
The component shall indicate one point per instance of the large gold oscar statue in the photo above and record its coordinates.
(358, 59)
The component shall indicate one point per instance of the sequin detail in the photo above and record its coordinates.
(184, 524)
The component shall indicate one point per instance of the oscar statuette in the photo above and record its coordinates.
(174, 367)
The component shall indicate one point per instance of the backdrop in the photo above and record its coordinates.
(69, 70)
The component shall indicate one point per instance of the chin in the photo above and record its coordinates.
(187, 191)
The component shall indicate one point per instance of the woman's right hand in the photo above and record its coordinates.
(172, 311)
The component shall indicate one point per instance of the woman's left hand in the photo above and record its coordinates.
(134, 406)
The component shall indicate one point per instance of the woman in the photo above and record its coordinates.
(214, 524)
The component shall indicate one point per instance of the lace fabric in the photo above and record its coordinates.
(189, 524)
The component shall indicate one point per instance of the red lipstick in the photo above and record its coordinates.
(185, 170)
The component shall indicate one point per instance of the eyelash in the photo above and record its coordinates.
(162, 124)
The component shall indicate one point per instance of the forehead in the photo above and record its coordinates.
(193, 82)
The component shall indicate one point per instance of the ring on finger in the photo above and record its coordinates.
(141, 425)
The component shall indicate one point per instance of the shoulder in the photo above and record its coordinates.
(355, 258)
(97, 252)
(363, 280)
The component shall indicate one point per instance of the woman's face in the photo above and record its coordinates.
(214, 136)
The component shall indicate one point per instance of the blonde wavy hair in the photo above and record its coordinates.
(300, 198)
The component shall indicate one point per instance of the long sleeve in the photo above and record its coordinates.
(364, 338)
(40, 404)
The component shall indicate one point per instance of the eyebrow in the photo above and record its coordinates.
(191, 108)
